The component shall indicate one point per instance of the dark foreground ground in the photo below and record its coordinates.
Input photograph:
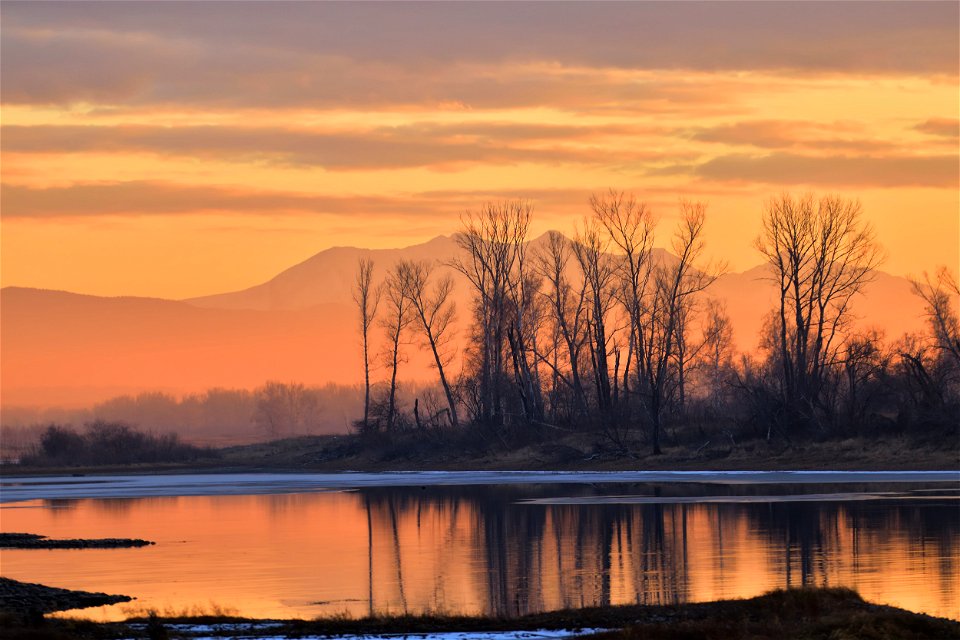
(827, 613)
(564, 452)
(27, 602)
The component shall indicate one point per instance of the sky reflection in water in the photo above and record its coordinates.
(502, 549)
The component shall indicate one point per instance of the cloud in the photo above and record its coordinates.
(701, 35)
(316, 54)
(148, 198)
(161, 198)
(146, 72)
(792, 134)
(946, 127)
(790, 169)
(420, 145)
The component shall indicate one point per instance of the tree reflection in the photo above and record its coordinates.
(523, 558)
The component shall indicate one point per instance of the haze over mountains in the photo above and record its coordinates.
(65, 349)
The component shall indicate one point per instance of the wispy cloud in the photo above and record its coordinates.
(137, 198)
(153, 198)
(828, 171)
(945, 127)
(793, 134)
(418, 145)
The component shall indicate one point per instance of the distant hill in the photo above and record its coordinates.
(328, 276)
(63, 348)
(323, 278)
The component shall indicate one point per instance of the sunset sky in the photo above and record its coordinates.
(181, 149)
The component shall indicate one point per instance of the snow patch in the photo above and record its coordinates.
(216, 484)
(539, 634)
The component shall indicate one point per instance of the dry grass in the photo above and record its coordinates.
(803, 614)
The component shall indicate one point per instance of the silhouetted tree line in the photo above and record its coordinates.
(110, 443)
(601, 333)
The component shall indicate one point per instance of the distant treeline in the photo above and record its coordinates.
(214, 417)
(597, 334)
(105, 443)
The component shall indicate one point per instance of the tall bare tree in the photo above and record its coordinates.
(492, 241)
(630, 225)
(399, 316)
(435, 313)
(367, 298)
(674, 286)
(567, 303)
(524, 324)
(822, 254)
(591, 248)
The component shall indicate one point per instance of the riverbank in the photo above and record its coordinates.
(795, 613)
(27, 602)
(569, 452)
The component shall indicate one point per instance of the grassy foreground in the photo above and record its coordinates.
(824, 613)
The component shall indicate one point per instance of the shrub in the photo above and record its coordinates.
(110, 443)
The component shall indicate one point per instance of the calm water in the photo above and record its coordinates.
(504, 549)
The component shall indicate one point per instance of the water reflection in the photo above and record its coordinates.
(504, 550)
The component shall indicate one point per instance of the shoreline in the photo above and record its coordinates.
(813, 612)
(347, 453)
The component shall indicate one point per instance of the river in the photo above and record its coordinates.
(303, 545)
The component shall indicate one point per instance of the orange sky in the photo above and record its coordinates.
(182, 149)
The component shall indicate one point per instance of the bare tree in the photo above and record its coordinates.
(940, 294)
(685, 350)
(822, 255)
(712, 349)
(567, 303)
(923, 381)
(630, 225)
(493, 241)
(367, 299)
(715, 356)
(598, 268)
(395, 323)
(525, 321)
(435, 312)
(863, 360)
(674, 286)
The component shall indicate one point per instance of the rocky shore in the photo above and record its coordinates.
(34, 541)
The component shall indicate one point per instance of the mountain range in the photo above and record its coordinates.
(66, 349)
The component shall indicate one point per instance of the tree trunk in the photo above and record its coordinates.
(454, 420)
(366, 381)
(391, 407)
